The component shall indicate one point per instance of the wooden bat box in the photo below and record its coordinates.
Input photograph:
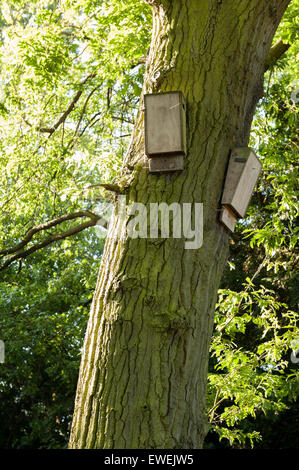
(165, 130)
(242, 174)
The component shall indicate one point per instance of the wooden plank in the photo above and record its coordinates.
(166, 164)
(233, 174)
(228, 219)
(242, 174)
(165, 123)
(246, 184)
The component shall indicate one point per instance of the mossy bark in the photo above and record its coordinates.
(142, 381)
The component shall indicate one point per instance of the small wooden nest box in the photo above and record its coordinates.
(165, 131)
(242, 174)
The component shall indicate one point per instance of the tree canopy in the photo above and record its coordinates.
(71, 76)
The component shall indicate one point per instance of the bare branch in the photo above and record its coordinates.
(140, 61)
(38, 228)
(109, 94)
(94, 219)
(114, 188)
(91, 123)
(276, 52)
(153, 2)
(84, 107)
(120, 118)
(51, 130)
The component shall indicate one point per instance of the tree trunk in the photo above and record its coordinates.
(142, 380)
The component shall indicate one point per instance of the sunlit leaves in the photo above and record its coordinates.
(256, 322)
(247, 382)
(50, 51)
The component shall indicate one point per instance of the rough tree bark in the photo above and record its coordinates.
(142, 381)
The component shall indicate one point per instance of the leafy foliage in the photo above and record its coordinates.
(44, 310)
(71, 81)
(71, 77)
(251, 370)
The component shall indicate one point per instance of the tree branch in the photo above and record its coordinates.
(153, 2)
(94, 219)
(114, 188)
(51, 130)
(120, 118)
(38, 228)
(276, 52)
(84, 107)
(140, 61)
(91, 123)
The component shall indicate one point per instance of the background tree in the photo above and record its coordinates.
(71, 78)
